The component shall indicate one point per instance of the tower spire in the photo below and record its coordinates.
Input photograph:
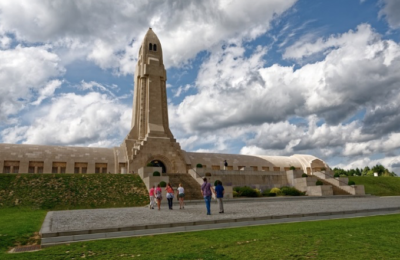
(150, 111)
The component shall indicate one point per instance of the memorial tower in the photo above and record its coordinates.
(150, 139)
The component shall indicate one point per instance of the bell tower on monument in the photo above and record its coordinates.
(150, 138)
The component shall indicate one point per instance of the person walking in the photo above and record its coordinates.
(219, 193)
(181, 195)
(158, 194)
(151, 195)
(206, 192)
(170, 195)
(225, 164)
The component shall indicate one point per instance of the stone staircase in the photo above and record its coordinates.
(192, 188)
(336, 190)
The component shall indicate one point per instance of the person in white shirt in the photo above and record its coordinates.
(181, 195)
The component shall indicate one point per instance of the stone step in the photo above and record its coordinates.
(336, 190)
(192, 188)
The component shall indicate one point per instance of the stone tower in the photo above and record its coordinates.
(150, 138)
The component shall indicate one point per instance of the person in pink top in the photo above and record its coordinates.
(151, 195)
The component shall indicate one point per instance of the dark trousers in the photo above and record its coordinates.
(170, 203)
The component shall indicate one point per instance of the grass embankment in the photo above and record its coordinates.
(358, 238)
(71, 191)
(379, 186)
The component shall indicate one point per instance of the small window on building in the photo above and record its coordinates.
(11, 167)
(215, 167)
(277, 169)
(229, 168)
(59, 167)
(254, 168)
(150, 46)
(241, 168)
(100, 168)
(80, 167)
(287, 169)
(35, 167)
(266, 169)
(155, 47)
(6, 169)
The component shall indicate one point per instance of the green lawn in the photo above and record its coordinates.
(17, 225)
(358, 238)
(379, 186)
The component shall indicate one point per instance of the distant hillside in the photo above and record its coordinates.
(379, 186)
(72, 191)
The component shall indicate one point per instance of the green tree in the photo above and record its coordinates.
(365, 171)
(380, 169)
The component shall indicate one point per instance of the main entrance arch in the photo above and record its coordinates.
(162, 161)
(158, 163)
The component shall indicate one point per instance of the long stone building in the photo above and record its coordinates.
(150, 140)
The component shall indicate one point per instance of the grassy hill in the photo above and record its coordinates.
(379, 186)
(71, 191)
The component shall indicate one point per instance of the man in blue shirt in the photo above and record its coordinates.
(219, 193)
(206, 192)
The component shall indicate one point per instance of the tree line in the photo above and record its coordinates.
(380, 169)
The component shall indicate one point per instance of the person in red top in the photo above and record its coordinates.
(151, 195)
(158, 194)
(170, 195)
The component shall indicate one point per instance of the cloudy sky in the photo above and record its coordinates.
(272, 77)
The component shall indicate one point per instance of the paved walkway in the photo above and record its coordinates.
(78, 225)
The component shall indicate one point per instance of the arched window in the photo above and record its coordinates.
(150, 46)
(155, 47)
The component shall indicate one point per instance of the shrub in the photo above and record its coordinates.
(351, 183)
(268, 193)
(208, 174)
(277, 191)
(292, 168)
(336, 175)
(304, 175)
(156, 173)
(163, 184)
(199, 165)
(265, 192)
(235, 194)
(246, 191)
(319, 183)
(290, 191)
(323, 169)
(216, 182)
(150, 164)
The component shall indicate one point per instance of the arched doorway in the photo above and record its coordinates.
(158, 163)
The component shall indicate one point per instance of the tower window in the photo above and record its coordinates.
(150, 46)
(155, 47)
